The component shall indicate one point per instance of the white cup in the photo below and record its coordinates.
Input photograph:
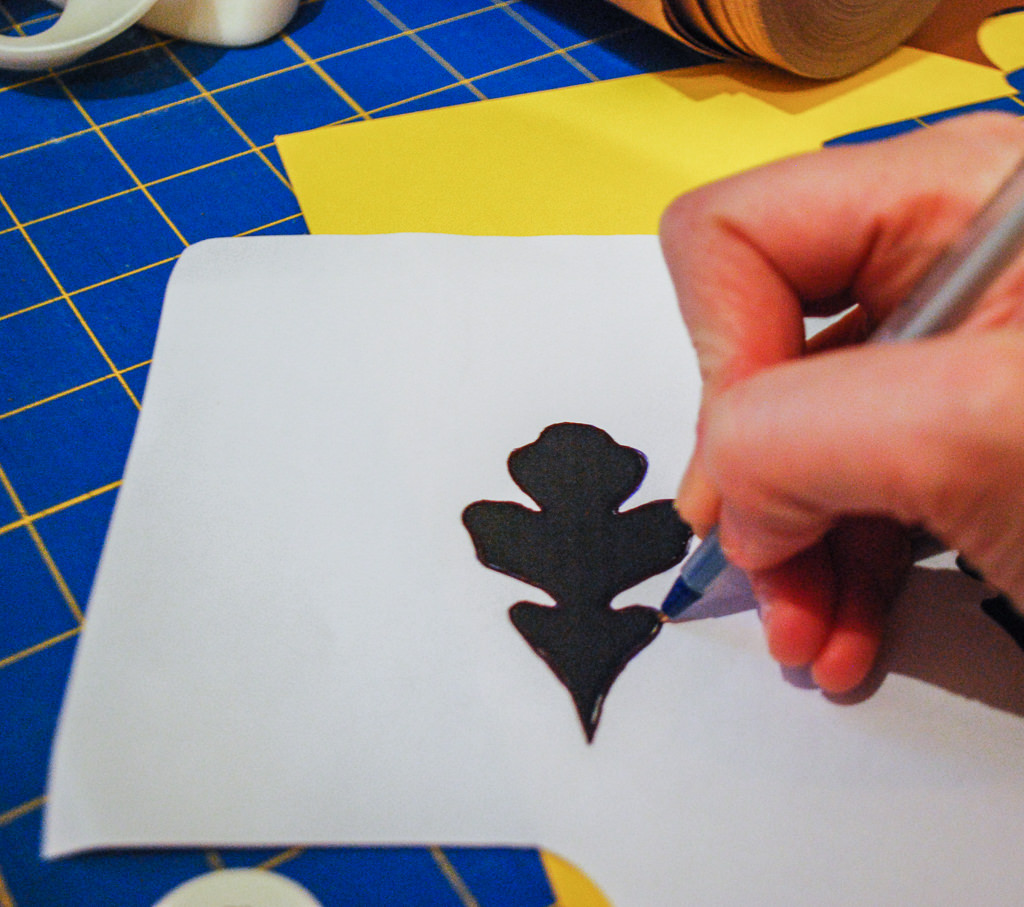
(86, 24)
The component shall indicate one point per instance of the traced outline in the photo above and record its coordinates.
(583, 551)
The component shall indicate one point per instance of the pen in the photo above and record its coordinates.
(940, 301)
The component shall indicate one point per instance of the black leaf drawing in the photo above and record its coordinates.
(579, 548)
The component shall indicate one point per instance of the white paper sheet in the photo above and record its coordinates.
(290, 640)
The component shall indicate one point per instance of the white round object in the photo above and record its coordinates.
(235, 887)
(86, 24)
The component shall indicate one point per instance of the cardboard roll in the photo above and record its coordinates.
(820, 39)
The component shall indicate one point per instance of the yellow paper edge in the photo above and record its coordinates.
(1002, 40)
(569, 885)
(601, 158)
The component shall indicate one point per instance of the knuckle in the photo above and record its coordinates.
(986, 382)
(690, 215)
(988, 133)
(973, 445)
(738, 427)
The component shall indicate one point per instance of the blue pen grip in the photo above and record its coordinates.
(705, 564)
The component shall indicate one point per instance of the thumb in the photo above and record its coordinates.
(929, 433)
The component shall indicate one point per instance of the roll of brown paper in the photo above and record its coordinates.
(820, 39)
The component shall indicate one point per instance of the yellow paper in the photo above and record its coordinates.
(569, 884)
(601, 158)
(1001, 39)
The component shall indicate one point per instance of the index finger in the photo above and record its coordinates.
(751, 255)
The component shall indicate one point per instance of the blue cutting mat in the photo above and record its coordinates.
(108, 170)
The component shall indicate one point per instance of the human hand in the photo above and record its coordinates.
(815, 467)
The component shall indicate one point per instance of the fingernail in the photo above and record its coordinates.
(689, 487)
(762, 596)
(687, 490)
(697, 500)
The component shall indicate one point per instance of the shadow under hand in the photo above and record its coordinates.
(938, 633)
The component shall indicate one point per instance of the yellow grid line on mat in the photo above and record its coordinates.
(44, 552)
(424, 46)
(23, 810)
(6, 899)
(454, 878)
(39, 647)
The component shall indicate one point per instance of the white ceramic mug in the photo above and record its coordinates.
(86, 24)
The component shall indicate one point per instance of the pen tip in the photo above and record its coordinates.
(679, 598)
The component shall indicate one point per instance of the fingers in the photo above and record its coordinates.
(786, 454)
(826, 229)
(928, 433)
(871, 558)
(826, 607)
(750, 255)
(797, 602)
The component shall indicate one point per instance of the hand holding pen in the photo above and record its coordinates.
(816, 467)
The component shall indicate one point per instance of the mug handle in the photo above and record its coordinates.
(83, 25)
